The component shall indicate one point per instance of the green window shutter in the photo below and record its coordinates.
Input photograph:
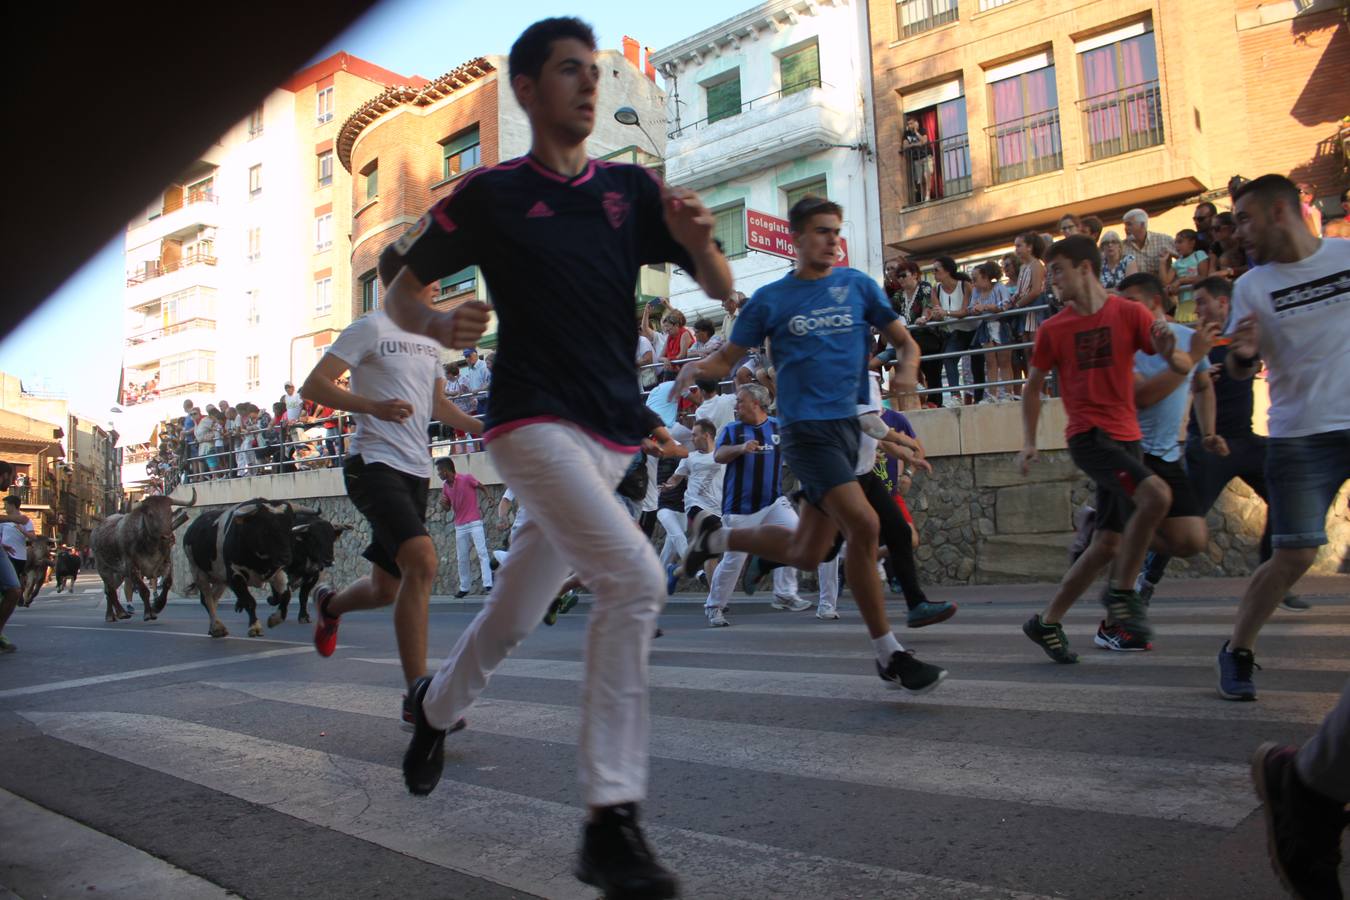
(729, 228)
(724, 99)
(373, 184)
(463, 142)
(816, 187)
(801, 69)
(463, 280)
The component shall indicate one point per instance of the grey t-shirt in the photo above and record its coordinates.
(388, 363)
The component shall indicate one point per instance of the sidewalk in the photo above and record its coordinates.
(44, 855)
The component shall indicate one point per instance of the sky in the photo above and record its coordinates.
(73, 343)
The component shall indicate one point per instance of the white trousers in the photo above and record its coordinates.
(728, 572)
(567, 479)
(673, 522)
(468, 537)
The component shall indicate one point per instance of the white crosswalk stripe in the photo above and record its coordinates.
(518, 841)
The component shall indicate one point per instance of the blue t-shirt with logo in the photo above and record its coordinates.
(819, 335)
(1161, 422)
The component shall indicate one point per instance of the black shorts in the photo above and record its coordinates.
(393, 502)
(1184, 499)
(822, 453)
(1116, 467)
(693, 511)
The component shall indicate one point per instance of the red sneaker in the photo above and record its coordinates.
(325, 626)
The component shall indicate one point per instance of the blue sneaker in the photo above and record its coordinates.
(672, 579)
(930, 613)
(1235, 674)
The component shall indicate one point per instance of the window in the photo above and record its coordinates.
(370, 175)
(800, 69)
(323, 232)
(253, 316)
(815, 186)
(729, 228)
(255, 180)
(201, 191)
(461, 282)
(936, 151)
(1121, 108)
(255, 123)
(323, 295)
(325, 168)
(986, 5)
(461, 153)
(255, 243)
(323, 106)
(724, 98)
(917, 16)
(251, 380)
(187, 368)
(1024, 139)
(370, 291)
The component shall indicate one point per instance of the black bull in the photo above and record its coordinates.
(312, 540)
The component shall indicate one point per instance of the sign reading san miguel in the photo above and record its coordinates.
(770, 234)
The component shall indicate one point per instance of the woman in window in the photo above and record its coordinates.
(1116, 263)
(953, 306)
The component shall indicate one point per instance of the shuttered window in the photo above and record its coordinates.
(729, 228)
(800, 69)
(816, 187)
(724, 98)
(461, 153)
(458, 283)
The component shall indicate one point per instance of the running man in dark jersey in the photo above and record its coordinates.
(561, 438)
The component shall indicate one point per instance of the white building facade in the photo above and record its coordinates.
(762, 109)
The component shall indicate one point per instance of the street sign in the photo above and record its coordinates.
(770, 234)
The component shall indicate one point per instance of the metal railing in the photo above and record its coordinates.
(937, 169)
(157, 333)
(1122, 121)
(917, 16)
(785, 91)
(1020, 148)
(154, 270)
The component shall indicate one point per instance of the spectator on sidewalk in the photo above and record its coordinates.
(1184, 268)
(1147, 247)
(1117, 265)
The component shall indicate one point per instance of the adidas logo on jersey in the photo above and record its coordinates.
(539, 211)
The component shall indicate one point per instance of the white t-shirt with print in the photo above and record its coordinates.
(13, 535)
(1303, 311)
(704, 488)
(295, 406)
(388, 363)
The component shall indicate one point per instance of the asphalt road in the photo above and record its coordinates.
(782, 767)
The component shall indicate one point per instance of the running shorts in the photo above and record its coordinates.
(393, 502)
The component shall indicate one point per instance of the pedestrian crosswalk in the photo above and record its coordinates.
(795, 771)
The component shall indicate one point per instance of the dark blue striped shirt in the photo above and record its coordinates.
(751, 481)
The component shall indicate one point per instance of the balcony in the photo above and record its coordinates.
(158, 279)
(1122, 121)
(1021, 148)
(145, 348)
(917, 16)
(767, 130)
(199, 209)
(936, 170)
(31, 496)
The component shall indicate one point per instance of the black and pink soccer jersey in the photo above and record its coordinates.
(561, 258)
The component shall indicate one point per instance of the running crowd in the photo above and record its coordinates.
(565, 439)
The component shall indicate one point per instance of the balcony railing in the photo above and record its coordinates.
(1021, 148)
(32, 495)
(937, 169)
(1122, 121)
(156, 269)
(787, 90)
(918, 16)
(157, 333)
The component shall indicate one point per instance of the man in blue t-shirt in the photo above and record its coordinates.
(817, 320)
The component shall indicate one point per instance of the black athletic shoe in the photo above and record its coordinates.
(460, 595)
(409, 716)
(1118, 637)
(1050, 638)
(615, 858)
(704, 524)
(906, 671)
(551, 616)
(1127, 608)
(1303, 828)
(425, 758)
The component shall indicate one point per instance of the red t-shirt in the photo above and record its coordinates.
(1095, 358)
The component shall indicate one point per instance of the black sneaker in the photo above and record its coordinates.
(551, 616)
(1128, 609)
(425, 758)
(906, 671)
(1294, 603)
(704, 524)
(1303, 828)
(460, 595)
(409, 716)
(1050, 638)
(615, 858)
(1118, 637)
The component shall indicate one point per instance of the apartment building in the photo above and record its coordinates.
(1028, 109)
(764, 108)
(236, 273)
(407, 148)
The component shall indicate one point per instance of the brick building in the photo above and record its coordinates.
(1035, 108)
(407, 148)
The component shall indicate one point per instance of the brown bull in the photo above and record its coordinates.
(132, 547)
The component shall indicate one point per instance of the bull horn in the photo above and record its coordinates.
(178, 520)
(192, 502)
(299, 529)
(245, 510)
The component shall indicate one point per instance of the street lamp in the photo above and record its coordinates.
(626, 115)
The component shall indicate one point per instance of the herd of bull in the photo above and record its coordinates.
(245, 546)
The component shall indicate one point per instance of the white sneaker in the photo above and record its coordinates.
(791, 603)
(826, 611)
(716, 619)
